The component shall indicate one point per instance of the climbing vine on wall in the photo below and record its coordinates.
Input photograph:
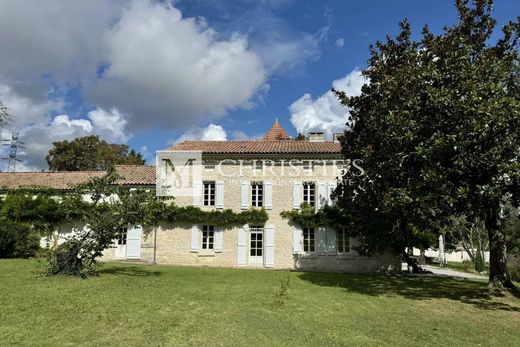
(194, 215)
(308, 216)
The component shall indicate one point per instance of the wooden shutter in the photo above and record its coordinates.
(297, 194)
(269, 245)
(219, 192)
(197, 193)
(219, 239)
(268, 195)
(297, 240)
(321, 240)
(195, 231)
(244, 195)
(241, 247)
(322, 194)
(331, 241)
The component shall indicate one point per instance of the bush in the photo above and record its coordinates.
(468, 265)
(17, 240)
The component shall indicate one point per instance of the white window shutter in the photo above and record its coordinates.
(195, 238)
(268, 194)
(322, 194)
(269, 245)
(330, 188)
(219, 239)
(297, 194)
(241, 247)
(321, 241)
(244, 195)
(197, 193)
(219, 194)
(331, 240)
(297, 240)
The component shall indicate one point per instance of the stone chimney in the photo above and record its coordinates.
(317, 136)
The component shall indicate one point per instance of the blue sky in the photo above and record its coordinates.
(150, 74)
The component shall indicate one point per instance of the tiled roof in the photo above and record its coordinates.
(132, 175)
(276, 133)
(259, 147)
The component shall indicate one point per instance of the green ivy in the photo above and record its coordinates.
(308, 216)
(195, 215)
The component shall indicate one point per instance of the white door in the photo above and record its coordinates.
(133, 242)
(256, 246)
(120, 251)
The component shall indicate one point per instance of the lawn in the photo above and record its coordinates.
(138, 305)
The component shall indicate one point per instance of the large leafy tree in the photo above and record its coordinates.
(90, 153)
(438, 130)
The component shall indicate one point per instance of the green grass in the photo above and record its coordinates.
(138, 305)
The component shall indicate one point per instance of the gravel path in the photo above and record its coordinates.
(446, 272)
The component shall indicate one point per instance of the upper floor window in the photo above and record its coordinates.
(343, 241)
(308, 239)
(209, 193)
(208, 234)
(257, 194)
(309, 193)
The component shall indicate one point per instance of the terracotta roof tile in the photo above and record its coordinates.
(259, 147)
(132, 175)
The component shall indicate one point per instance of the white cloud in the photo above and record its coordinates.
(240, 135)
(212, 132)
(339, 43)
(176, 69)
(282, 49)
(325, 113)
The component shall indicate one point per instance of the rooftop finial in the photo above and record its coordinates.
(276, 120)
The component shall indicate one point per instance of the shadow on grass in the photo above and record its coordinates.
(416, 288)
(128, 270)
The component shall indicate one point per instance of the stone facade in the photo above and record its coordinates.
(174, 242)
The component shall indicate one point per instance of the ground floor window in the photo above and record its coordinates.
(208, 234)
(256, 242)
(308, 239)
(121, 240)
(343, 241)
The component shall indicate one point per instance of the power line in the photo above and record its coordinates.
(14, 143)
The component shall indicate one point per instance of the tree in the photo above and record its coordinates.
(100, 221)
(470, 234)
(438, 130)
(90, 153)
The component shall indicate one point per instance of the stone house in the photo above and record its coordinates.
(275, 173)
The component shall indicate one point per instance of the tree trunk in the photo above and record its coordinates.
(416, 268)
(498, 273)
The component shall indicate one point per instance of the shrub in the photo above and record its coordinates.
(479, 261)
(283, 292)
(17, 240)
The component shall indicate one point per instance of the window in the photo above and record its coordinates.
(309, 193)
(209, 193)
(208, 233)
(308, 239)
(256, 246)
(121, 240)
(257, 194)
(343, 241)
